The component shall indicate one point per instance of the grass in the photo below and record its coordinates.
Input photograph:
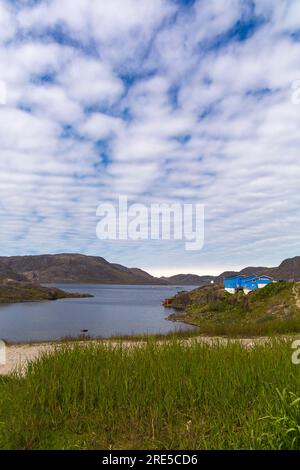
(118, 338)
(156, 396)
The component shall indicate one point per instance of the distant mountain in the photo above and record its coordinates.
(76, 268)
(188, 279)
(7, 273)
(73, 268)
(288, 270)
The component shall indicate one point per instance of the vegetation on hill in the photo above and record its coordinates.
(273, 309)
(160, 396)
(13, 292)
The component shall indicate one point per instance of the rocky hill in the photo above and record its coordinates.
(7, 273)
(76, 268)
(15, 291)
(73, 268)
(273, 309)
(288, 270)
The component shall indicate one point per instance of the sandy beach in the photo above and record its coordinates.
(19, 355)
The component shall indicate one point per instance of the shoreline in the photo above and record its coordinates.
(85, 296)
(180, 334)
(18, 356)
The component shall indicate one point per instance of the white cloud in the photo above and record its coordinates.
(7, 22)
(91, 82)
(101, 126)
(180, 116)
(52, 101)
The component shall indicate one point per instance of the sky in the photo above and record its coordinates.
(160, 101)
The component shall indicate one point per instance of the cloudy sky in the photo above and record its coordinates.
(160, 100)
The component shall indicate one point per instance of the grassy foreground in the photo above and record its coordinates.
(157, 396)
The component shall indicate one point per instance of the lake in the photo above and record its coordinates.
(114, 310)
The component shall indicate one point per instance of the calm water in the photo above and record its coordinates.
(113, 310)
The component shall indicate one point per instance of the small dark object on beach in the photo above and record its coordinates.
(84, 331)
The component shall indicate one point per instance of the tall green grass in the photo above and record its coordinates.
(268, 327)
(154, 396)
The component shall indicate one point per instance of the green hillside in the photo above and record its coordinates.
(273, 309)
(14, 292)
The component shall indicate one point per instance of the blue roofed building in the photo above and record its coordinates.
(246, 283)
(232, 284)
(263, 281)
